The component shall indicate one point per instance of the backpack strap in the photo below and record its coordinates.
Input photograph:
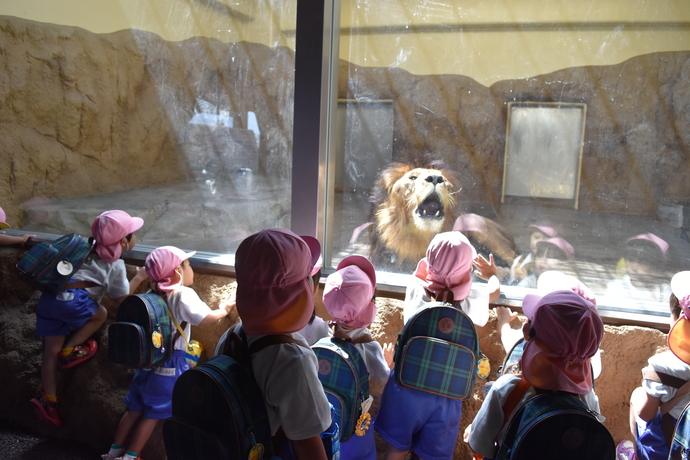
(514, 398)
(339, 333)
(664, 379)
(79, 285)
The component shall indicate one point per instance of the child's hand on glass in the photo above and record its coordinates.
(485, 268)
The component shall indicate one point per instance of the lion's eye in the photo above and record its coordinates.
(413, 177)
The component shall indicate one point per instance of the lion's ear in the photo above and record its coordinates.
(392, 174)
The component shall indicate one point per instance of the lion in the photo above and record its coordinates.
(411, 204)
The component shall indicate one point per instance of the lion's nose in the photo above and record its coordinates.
(435, 179)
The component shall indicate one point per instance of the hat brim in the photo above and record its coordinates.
(678, 339)
(363, 263)
(4, 225)
(544, 370)
(680, 284)
(546, 230)
(277, 310)
(314, 249)
(136, 224)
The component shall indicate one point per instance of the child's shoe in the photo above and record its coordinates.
(79, 354)
(45, 410)
(626, 451)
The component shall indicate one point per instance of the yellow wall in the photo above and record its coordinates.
(477, 38)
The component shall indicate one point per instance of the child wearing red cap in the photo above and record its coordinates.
(348, 297)
(150, 394)
(68, 319)
(661, 400)
(410, 419)
(275, 296)
(564, 331)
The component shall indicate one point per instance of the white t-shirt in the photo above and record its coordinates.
(110, 277)
(668, 363)
(475, 305)
(488, 425)
(186, 306)
(287, 376)
(315, 331)
(623, 288)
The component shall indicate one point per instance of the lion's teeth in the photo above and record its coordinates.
(438, 213)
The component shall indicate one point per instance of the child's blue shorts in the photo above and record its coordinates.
(649, 440)
(359, 447)
(151, 389)
(60, 317)
(416, 420)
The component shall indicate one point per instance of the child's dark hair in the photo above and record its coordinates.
(676, 311)
(551, 251)
(644, 252)
(91, 240)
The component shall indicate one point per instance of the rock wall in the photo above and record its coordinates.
(91, 395)
(107, 111)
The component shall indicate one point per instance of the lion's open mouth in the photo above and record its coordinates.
(431, 208)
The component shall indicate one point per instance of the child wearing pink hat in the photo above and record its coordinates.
(644, 255)
(552, 254)
(275, 296)
(68, 319)
(564, 331)
(349, 298)
(416, 420)
(523, 265)
(316, 327)
(665, 389)
(10, 239)
(150, 394)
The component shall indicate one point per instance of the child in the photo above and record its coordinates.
(552, 254)
(68, 319)
(150, 393)
(563, 332)
(275, 296)
(348, 296)
(10, 239)
(316, 328)
(644, 256)
(549, 281)
(410, 419)
(523, 265)
(655, 403)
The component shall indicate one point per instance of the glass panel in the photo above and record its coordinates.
(449, 71)
(178, 111)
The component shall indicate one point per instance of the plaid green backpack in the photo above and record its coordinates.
(49, 266)
(438, 352)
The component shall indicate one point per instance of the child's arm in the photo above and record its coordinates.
(310, 448)
(221, 313)
(6, 240)
(388, 350)
(139, 278)
(487, 270)
(507, 334)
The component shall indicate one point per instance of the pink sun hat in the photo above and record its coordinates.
(652, 238)
(679, 337)
(545, 229)
(109, 229)
(161, 263)
(561, 244)
(3, 220)
(274, 294)
(448, 265)
(348, 293)
(568, 334)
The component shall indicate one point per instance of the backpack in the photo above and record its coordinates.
(141, 336)
(345, 381)
(555, 426)
(438, 352)
(680, 445)
(49, 266)
(218, 410)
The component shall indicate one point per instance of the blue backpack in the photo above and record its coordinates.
(438, 352)
(680, 445)
(345, 381)
(555, 426)
(49, 266)
(141, 336)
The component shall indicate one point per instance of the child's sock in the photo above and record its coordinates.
(130, 456)
(66, 351)
(116, 451)
(50, 398)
